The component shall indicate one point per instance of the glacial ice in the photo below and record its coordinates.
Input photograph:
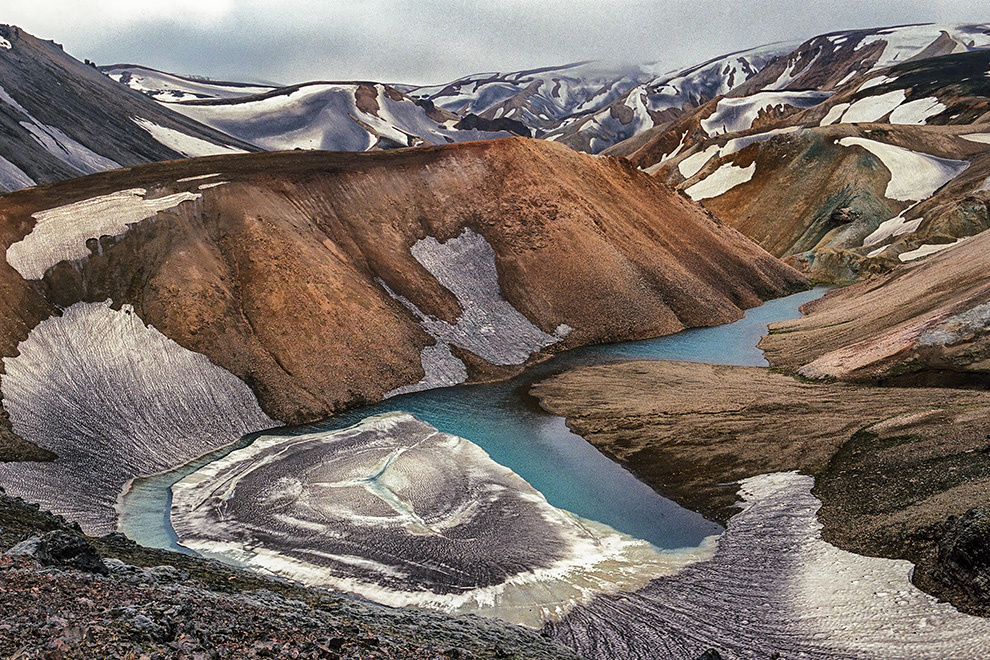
(114, 399)
(400, 513)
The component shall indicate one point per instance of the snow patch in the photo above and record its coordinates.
(982, 138)
(872, 108)
(734, 114)
(12, 177)
(184, 143)
(891, 228)
(489, 326)
(875, 82)
(720, 181)
(916, 112)
(914, 176)
(834, 114)
(60, 145)
(926, 250)
(60, 233)
(693, 163)
(6, 45)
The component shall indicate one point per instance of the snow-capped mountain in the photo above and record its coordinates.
(171, 88)
(539, 98)
(340, 116)
(662, 98)
(856, 152)
(60, 118)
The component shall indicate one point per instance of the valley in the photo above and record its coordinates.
(582, 361)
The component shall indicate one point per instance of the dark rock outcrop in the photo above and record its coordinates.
(964, 554)
(60, 548)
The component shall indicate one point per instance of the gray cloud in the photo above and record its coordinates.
(430, 41)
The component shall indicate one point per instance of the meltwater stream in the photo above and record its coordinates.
(509, 425)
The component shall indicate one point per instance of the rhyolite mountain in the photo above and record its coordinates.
(60, 118)
(235, 292)
(859, 151)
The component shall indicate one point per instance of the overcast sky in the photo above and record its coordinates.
(433, 41)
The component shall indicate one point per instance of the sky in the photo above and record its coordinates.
(434, 41)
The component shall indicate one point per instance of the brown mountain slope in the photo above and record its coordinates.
(276, 275)
(925, 323)
(316, 281)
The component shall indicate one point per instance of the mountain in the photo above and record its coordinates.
(538, 98)
(867, 150)
(661, 99)
(61, 118)
(171, 88)
(924, 323)
(180, 305)
(340, 116)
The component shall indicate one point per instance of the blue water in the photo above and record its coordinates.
(508, 423)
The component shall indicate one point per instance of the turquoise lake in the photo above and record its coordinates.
(508, 423)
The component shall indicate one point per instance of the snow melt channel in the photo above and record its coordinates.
(489, 326)
(60, 233)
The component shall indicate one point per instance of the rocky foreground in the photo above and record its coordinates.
(900, 472)
(63, 595)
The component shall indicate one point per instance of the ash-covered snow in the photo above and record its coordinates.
(914, 176)
(60, 233)
(12, 177)
(184, 143)
(775, 588)
(114, 399)
(725, 178)
(400, 513)
(489, 326)
(58, 144)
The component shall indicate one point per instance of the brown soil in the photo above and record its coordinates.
(891, 464)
